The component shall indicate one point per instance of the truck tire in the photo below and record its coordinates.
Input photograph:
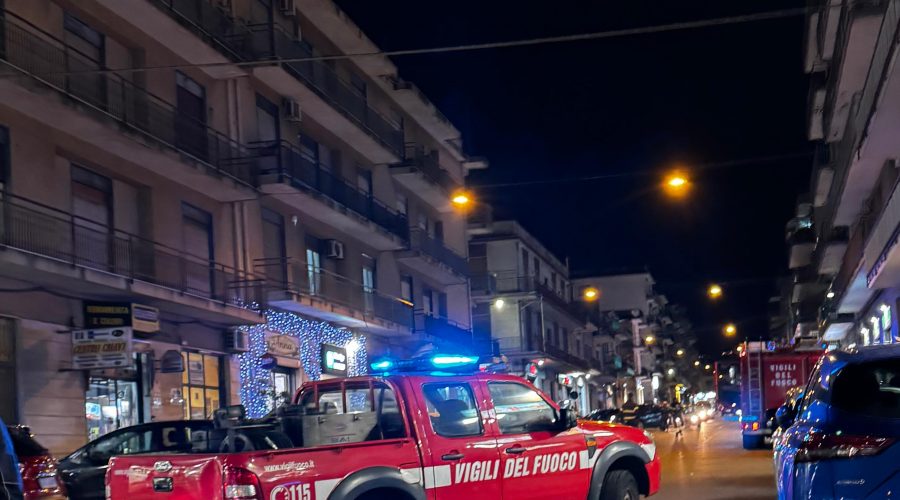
(752, 442)
(619, 485)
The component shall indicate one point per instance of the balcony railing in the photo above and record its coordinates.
(429, 165)
(420, 241)
(289, 164)
(260, 39)
(443, 328)
(38, 54)
(498, 283)
(295, 276)
(42, 230)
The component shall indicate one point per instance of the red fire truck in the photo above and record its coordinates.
(431, 428)
(767, 372)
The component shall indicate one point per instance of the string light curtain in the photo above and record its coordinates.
(256, 380)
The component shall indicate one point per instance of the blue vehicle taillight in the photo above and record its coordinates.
(819, 446)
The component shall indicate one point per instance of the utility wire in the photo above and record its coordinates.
(635, 173)
(527, 42)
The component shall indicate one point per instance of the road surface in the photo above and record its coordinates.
(709, 464)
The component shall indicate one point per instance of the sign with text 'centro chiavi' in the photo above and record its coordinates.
(101, 348)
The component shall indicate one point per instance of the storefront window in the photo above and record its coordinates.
(886, 323)
(109, 405)
(200, 381)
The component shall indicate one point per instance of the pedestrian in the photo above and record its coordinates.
(678, 416)
(11, 480)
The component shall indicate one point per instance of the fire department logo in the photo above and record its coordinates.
(162, 466)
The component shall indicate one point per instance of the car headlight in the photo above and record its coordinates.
(612, 418)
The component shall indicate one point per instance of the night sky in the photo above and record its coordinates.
(638, 105)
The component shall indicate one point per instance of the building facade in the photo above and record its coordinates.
(523, 301)
(226, 230)
(842, 240)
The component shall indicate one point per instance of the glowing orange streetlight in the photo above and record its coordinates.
(676, 184)
(714, 291)
(730, 330)
(590, 294)
(461, 199)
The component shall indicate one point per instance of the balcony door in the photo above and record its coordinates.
(275, 264)
(368, 282)
(197, 260)
(86, 51)
(268, 132)
(92, 219)
(190, 119)
(313, 266)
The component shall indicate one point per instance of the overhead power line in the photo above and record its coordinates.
(637, 173)
(597, 35)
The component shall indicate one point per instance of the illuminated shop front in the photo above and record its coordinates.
(273, 368)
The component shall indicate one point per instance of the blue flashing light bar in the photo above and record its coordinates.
(453, 360)
(441, 362)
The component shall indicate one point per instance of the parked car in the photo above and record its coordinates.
(605, 415)
(646, 416)
(37, 466)
(840, 441)
(82, 472)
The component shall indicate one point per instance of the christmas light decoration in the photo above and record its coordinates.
(256, 381)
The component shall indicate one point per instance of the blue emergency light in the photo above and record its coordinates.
(455, 362)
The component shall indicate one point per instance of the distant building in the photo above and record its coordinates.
(842, 240)
(523, 301)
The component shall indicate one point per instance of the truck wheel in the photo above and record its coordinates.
(752, 442)
(619, 485)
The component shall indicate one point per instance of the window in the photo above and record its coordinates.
(428, 302)
(200, 381)
(876, 330)
(122, 443)
(313, 265)
(402, 204)
(525, 262)
(176, 438)
(309, 149)
(369, 415)
(364, 181)
(190, 124)
(520, 409)
(328, 158)
(422, 221)
(406, 288)
(4, 157)
(275, 265)
(439, 230)
(537, 270)
(267, 126)
(871, 388)
(578, 351)
(92, 207)
(452, 409)
(886, 323)
(198, 247)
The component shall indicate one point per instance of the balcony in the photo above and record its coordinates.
(421, 173)
(806, 285)
(294, 286)
(431, 257)
(98, 107)
(801, 242)
(881, 253)
(326, 97)
(849, 284)
(287, 174)
(60, 251)
(509, 283)
(830, 250)
(443, 330)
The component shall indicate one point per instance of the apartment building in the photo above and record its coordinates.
(523, 299)
(224, 229)
(842, 240)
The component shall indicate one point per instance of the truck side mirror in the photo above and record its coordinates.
(567, 417)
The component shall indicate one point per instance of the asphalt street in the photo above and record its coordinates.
(709, 464)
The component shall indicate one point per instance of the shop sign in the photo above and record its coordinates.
(101, 348)
(121, 314)
(334, 360)
(283, 345)
(171, 362)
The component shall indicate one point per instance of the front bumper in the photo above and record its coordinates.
(654, 472)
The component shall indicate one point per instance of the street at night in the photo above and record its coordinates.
(449, 249)
(709, 464)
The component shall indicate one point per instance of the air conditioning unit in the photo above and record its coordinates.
(236, 341)
(335, 250)
(288, 8)
(292, 111)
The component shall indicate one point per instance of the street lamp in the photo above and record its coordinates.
(499, 304)
(461, 199)
(590, 294)
(676, 184)
(649, 339)
(697, 363)
(707, 367)
(730, 330)
(714, 291)
(671, 372)
(679, 352)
